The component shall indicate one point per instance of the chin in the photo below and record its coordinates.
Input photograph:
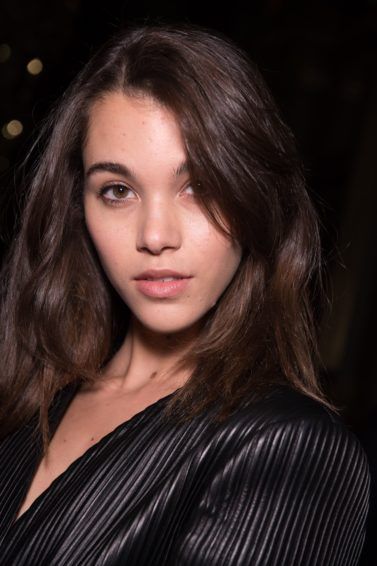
(166, 328)
(162, 323)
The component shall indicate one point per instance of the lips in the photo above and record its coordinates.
(153, 274)
(160, 289)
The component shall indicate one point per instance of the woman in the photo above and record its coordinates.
(159, 395)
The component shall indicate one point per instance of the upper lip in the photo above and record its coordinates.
(157, 273)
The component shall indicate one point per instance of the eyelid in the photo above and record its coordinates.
(189, 185)
(106, 188)
(114, 202)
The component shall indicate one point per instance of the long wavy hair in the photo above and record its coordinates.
(61, 320)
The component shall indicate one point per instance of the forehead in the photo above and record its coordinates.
(116, 112)
(135, 131)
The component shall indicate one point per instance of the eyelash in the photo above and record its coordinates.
(112, 202)
(119, 202)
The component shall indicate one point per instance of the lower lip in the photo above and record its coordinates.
(162, 289)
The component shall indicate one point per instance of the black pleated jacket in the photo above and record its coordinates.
(282, 482)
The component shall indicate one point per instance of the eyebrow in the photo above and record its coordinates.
(126, 171)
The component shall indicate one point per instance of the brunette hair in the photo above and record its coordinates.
(61, 321)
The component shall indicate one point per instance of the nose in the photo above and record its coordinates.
(159, 228)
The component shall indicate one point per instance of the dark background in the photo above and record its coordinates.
(320, 61)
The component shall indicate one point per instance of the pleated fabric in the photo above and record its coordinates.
(281, 482)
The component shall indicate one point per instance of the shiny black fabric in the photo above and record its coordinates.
(281, 483)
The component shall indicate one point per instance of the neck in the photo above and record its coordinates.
(146, 358)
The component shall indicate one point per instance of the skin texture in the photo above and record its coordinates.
(151, 220)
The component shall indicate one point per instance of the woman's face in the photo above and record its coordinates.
(142, 214)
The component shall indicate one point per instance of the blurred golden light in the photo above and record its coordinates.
(5, 52)
(12, 129)
(35, 66)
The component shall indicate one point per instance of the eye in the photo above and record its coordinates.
(114, 194)
(191, 187)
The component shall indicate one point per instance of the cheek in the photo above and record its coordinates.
(214, 248)
(107, 239)
(225, 261)
(219, 259)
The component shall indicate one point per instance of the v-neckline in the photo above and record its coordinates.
(58, 410)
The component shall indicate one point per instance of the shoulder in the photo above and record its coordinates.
(286, 483)
(286, 425)
(282, 407)
(283, 404)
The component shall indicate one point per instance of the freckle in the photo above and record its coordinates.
(92, 438)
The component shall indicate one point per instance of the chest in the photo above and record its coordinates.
(125, 497)
(87, 420)
(123, 500)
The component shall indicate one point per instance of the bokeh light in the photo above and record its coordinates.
(35, 66)
(12, 129)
